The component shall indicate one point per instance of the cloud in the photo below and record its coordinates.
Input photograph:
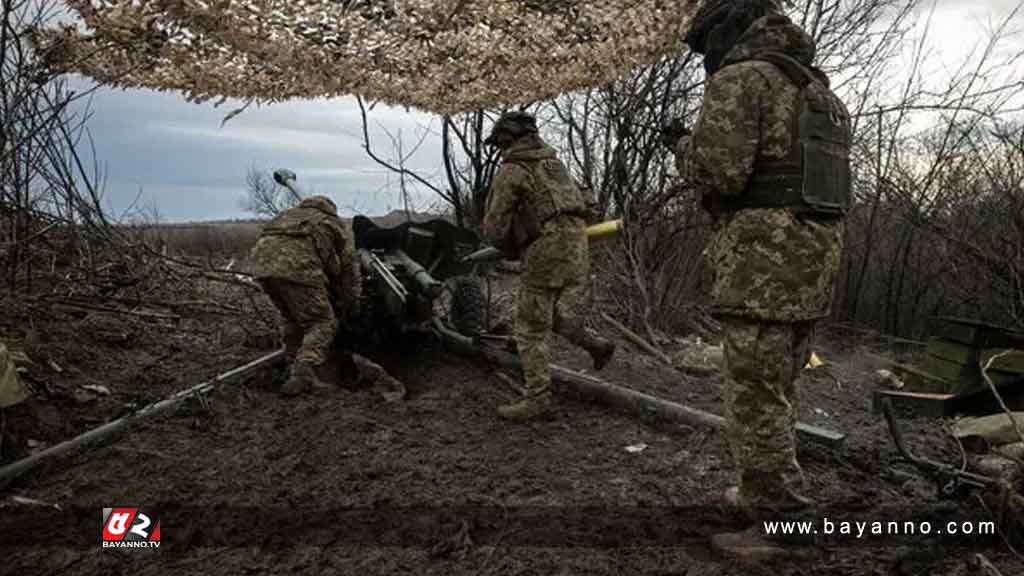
(189, 167)
(192, 168)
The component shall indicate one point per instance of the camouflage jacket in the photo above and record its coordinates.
(559, 256)
(307, 244)
(12, 390)
(764, 263)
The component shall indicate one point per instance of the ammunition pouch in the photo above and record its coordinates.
(815, 177)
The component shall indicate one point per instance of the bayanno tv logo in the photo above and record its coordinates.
(131, 528)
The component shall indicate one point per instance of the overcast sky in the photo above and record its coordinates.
(164, 153)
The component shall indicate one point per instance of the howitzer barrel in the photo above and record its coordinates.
(428, 286)
(602, 230)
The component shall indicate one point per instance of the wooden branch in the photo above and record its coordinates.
(637, 339)
(984, 564)
(12, 471)
(692, 369)
(373, 156)
(999, 397)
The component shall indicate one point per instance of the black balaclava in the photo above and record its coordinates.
(719, 24)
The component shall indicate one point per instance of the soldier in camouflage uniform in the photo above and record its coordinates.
(536, 213)
(769, 159)
(304, 260)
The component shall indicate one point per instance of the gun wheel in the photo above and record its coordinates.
(466, 312)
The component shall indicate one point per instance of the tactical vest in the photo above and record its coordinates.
(295, 222)
(555, 194)
(300, 222)
(815, 176)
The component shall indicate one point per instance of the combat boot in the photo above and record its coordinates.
(300, 379)
(601, 352)
(529, 408)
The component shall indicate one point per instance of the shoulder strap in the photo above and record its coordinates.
(797, 72)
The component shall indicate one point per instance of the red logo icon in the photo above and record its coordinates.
(131, 528)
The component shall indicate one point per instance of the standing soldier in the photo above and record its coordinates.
(536, 212)
(304, 261)
(769, 159)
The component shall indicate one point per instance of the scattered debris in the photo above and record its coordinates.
(821, 412)
(950, 479)
(23, 501)
(996, 429)
(56, 367)
(815, 361)
(390, 388)
(104, 432)
(1013, 451)
(636, 448)
(699, 357)
(83, 396)
(97, 388)
(888, 379)
(985, 566)
(996, 466)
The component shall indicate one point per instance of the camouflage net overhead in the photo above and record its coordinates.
(441, 56)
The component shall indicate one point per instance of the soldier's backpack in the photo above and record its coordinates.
(815, 177)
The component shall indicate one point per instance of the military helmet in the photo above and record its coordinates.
(515, 123)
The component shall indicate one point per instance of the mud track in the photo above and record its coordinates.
(342, 482)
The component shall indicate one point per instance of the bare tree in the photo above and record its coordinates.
(263, 197)
(48, 183)
(466, 165)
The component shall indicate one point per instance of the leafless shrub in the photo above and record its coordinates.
(263, 197)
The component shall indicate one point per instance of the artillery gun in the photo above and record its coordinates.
(404, 270)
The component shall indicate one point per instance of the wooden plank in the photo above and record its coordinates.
(920, 381)
(950, 351)
(977, 334)
(957, 375)
(956, 332)
(916, 403)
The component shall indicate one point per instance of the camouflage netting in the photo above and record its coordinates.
(441, 56)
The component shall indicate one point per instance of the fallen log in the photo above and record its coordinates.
(12, 471)
(618, 396)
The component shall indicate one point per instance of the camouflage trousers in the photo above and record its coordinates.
(763, 361)
(541, 310)
(310, 324)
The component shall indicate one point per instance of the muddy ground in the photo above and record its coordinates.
(248, 482)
